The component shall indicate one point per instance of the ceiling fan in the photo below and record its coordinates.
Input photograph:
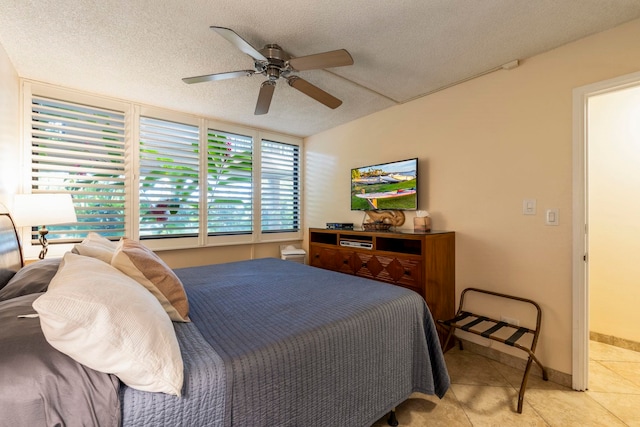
(273, 62)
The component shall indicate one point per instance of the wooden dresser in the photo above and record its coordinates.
(423, 262)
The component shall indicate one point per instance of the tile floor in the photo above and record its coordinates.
(484, 393)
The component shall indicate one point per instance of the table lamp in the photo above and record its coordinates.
(31, 210)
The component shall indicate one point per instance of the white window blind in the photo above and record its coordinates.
(80, 149)
(229, 183)
(280, 193)
(169, 182)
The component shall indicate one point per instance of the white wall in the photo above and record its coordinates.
(9, 129)
(614, 213)
(484, 146)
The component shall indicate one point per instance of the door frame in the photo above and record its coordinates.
(580, 327)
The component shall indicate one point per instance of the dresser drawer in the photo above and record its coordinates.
(340, 260)
(405, 272)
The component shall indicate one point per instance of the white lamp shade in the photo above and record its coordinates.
(31, 210)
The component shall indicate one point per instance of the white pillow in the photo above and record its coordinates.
(108, 322)
(96, 246)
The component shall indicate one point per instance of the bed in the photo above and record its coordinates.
(266, 343)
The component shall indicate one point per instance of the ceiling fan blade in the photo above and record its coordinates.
(335, 58)
(314, 92)
(239, 42)
(218, 76)
(264, 98)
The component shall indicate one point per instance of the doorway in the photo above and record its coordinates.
(587, 101)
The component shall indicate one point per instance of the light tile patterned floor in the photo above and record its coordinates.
(484, 393)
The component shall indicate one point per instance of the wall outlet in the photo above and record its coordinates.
(510, 320)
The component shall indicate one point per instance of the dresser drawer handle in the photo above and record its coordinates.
(345, 261)
(407, 272)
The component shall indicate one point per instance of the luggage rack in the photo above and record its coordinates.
(466, 320)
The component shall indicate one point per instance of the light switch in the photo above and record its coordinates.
(552, 217)
(529, 207)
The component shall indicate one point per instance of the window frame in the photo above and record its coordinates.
(188, 158)
(80, 148)
(133, 112)
(236, 192)
(266, 136)
(170, 116)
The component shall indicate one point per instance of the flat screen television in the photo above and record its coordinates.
(386, 186)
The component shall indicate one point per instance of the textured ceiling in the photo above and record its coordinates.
(140, 50)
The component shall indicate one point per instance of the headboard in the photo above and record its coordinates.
(10, 250)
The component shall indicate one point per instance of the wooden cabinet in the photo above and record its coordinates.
(422, 262)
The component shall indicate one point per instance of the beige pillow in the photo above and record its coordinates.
(96, 246)
(145, 267)
(105, 320)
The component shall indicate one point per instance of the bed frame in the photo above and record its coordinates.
(10, 248)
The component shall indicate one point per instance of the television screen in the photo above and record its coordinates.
(385, 186)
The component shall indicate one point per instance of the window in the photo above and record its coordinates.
(176, 180)
(280, 187)
(80, 149)
(229, 183)
(169, 179)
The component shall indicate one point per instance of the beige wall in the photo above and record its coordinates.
(484, 146)
(9, 129)
(614, 213)
(219, 254)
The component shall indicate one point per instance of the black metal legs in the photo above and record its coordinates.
(392, 420)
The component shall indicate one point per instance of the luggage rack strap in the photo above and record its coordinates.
(496, 325)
